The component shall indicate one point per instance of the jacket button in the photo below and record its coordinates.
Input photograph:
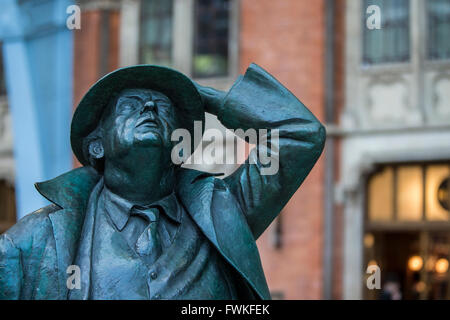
(153, 275)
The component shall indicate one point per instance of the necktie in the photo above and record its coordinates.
(148, 244)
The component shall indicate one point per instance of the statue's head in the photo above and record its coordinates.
(136, 125)
(129, 115)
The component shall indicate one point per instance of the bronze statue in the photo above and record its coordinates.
(139, 226)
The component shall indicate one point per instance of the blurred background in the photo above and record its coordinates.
(379, 194)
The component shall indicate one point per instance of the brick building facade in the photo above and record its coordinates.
(378, 195)
(288, 38)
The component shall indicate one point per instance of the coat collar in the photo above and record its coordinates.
(71, 189)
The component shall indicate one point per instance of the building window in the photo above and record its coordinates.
(407, 230)
(156, 29)
(196, 37)
(409, 193)
(438, 29)
(211, 36)
(2, 74)
(391, 43)
(7, 206)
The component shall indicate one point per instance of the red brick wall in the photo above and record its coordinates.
(287, 38)
(88, 53)
(339, 100)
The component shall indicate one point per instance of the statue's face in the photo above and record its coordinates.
(140, 118)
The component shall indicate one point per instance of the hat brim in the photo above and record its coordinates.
(175, 85)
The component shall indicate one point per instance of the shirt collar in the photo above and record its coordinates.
(119, 208)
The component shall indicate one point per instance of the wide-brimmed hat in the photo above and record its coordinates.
(175, 85)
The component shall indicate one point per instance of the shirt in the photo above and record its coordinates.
(131, 225)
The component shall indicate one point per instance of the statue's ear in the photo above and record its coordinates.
(96, 150)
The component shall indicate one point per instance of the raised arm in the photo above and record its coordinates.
(258, 101)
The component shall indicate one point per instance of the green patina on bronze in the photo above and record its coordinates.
(213, 254)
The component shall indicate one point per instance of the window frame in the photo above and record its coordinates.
(183, 40)
(386, 64)
(418, 34)
(196, 37)
(430, 61)
(395, 224)
(140, 44)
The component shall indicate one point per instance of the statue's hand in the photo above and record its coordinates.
(212, 98)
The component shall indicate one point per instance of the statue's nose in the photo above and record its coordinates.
(148, 106)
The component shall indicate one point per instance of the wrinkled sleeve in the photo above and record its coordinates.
(11, 274)
(258, 101)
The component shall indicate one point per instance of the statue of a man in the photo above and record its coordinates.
(132, 224)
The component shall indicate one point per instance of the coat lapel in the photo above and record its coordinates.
(83, 255)
(69, 191)
(210, 204)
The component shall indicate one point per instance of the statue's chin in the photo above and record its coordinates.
(149, 138)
